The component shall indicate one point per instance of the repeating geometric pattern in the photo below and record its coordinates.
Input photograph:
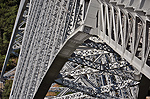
(17, 35)
(100, 68)
(49, 24)
(124, 26)
(99, 73)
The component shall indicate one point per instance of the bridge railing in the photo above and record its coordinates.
(56, 28)
(125, 26)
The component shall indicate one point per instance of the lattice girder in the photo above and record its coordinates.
(124, 26)
(43, 41)
(55, 28)
(105, 76)
(17, 33)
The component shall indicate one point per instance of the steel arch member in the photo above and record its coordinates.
(43, 41)
(55, 28)
(17, 34)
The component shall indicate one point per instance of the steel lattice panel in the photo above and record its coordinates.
(49, 24)
(55, 28)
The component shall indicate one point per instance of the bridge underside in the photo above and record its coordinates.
(53, 34)
(59, 62)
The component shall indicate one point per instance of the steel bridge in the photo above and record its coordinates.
(93, 48)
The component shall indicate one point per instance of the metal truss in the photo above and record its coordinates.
(124, 26)
(108, 67)
(48, 26)
(77, 95)
(17, 34)
(99, 73)
(10, 74)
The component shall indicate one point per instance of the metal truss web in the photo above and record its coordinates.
(93, 48)
(97, 71)
(49, 24)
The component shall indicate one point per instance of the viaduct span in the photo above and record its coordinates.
(95, 48)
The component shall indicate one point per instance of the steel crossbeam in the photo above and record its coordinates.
(123, 28)
(101, 46)
(36, 50)
(92, 84)
(73, 96)
(17, 34)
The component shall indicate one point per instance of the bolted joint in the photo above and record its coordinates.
(87, 29)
